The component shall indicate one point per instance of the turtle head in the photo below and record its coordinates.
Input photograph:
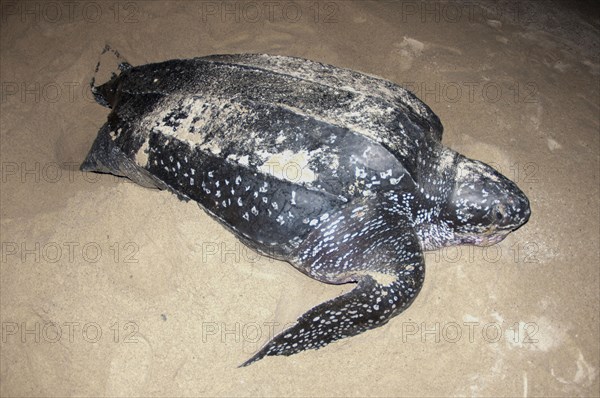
(484, 205)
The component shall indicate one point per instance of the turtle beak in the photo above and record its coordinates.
(526, 209)
(520, 207)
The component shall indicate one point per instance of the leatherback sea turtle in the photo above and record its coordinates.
(341, 174)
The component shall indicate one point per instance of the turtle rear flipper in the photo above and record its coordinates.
(106, 157)
(372, 243)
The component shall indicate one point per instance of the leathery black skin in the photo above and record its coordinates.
(371, 188)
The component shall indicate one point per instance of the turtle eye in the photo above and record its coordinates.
(499, 212)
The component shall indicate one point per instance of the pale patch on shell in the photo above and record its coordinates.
(198, 116)
(288, 166)
(141, 156)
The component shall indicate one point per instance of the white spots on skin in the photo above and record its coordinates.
(395, 181)
(385, 174)
(243, 160)
(360, 172)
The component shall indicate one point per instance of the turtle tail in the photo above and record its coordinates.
(369, 243)
(105, 80)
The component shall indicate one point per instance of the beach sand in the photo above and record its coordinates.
(111, 289)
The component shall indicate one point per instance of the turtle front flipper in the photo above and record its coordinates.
(371, 242)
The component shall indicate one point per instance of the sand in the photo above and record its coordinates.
(110, 289)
